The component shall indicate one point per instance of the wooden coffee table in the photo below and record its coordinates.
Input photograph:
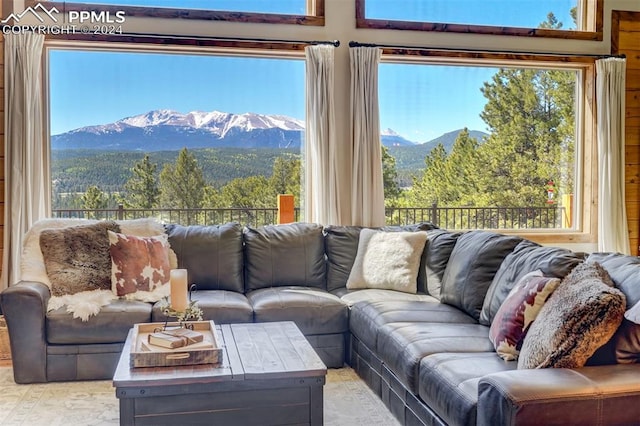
(270, 375)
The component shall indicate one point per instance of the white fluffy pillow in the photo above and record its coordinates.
(387, 260)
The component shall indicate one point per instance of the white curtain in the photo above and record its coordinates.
(321, 199)
(27, 195)
(367, 188)
(613, 233)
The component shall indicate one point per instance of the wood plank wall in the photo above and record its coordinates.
(625, 34)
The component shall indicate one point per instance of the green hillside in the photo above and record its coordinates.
(74, 170)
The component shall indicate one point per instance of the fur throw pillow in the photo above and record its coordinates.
(77, 258)
(138, 263)
(387, 260)
(579, 317)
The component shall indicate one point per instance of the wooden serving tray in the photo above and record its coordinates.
(145, 355)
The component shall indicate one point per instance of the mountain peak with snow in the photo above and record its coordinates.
(163, 129)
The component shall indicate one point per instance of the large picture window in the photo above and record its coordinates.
(298, 12)
(483, 146)
(578, 19)
(183, 137)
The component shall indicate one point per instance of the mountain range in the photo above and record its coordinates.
(167, 130)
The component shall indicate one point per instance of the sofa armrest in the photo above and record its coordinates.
(600, 395)
(24, 306)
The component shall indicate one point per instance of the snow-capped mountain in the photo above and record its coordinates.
(171, 130)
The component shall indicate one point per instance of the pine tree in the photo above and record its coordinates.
(142, 188)
(94, 199)
(182, 186)
(432, 186)
(285, 178)
(389, 177)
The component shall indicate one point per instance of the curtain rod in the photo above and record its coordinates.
(335, 43)
(449, 49)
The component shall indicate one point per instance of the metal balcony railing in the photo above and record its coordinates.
(453, 218)
(462, 218)
(244, 216)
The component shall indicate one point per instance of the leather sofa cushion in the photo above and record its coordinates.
(526, 257)
(212, 255)
(351, 297)
(402, 345)
(221, 306)
(624, 346)
(449, 383)
(284, 255)
(366, 318)
(472, 266)
(624, 271)
(111, 326)
(440, 244)
(314, 311)
(342, 246)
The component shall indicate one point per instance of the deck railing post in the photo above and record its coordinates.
(286, 209)
(434, 213)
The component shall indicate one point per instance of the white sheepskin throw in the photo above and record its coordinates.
(387, 260)
(86, 303)
(83, 304)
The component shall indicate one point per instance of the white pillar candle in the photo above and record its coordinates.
(178, 279)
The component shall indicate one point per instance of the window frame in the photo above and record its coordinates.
(593, 22)
(585, 178)
(285, 51)
(314, 17)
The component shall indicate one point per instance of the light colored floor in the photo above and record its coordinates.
(347, 402)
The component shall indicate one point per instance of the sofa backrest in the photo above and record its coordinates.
(473, 263)
(284, 255)
(341, 245)
(32, 267)
(212, 255)
(525, 258)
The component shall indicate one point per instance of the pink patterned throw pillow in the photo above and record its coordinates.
(138, 263)
(517, 313)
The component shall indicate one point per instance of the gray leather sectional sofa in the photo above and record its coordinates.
(427, 355)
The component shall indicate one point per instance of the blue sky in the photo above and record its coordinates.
(419, 102)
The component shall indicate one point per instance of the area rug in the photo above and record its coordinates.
(347, 401)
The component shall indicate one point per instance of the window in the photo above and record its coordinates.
(298, 12)
(483, 145)
(285, 7)
(580, 19)
(161, 134)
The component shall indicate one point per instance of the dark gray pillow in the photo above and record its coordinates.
(212, 255)
(440, 244)
(526, 257)
(341, 244)
(473, 263)
(282, 255)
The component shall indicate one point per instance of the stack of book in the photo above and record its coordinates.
(175, 338)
